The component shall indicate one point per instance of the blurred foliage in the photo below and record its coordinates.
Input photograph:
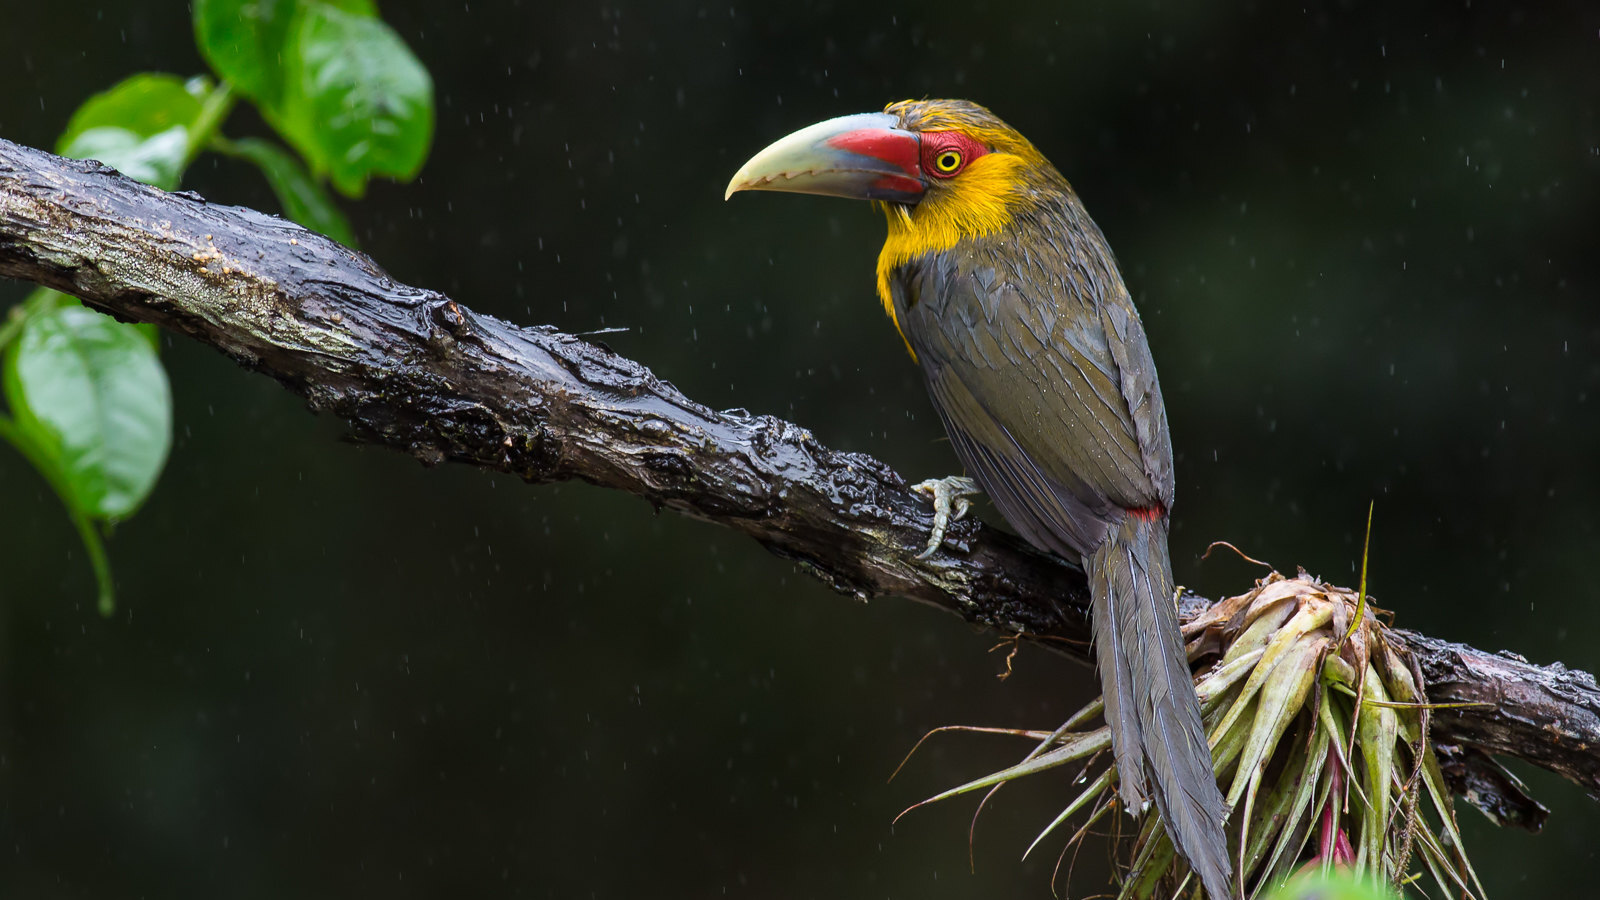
(1361, 236)
(142, 126)
(90, 405)
(1331, 886)
(332, 78)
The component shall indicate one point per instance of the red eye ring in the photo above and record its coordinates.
(945, 154)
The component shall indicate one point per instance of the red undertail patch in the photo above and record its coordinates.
(1148, 513)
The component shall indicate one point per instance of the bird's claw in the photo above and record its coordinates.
(950, 504)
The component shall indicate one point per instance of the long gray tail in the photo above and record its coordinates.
(1156, 735)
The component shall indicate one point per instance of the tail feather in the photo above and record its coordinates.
(1156, 734)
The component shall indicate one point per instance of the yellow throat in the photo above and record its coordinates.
(976, 203)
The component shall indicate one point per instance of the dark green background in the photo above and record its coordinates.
(1365, 244)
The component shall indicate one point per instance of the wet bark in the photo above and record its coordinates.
(411, 369)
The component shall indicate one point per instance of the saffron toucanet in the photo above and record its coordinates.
(1008, 298)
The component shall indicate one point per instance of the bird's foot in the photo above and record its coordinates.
(950, 504)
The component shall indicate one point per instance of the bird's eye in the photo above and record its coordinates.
(947, 154)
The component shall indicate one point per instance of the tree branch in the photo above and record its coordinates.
(412, 369)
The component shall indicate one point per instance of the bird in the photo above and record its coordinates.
(1007, 296)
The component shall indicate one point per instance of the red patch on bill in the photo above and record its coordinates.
(897, 148)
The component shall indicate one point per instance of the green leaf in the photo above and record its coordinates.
(89, 394)
(303, 199)
(243, 40)
(141, 127)
(150, 333)
(331, 77)
(356, 102)
(1337, 885)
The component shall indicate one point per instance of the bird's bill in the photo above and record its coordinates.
(862, 157)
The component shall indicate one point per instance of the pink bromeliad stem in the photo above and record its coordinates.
(1333, 845)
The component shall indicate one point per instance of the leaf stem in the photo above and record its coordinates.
(213, 111)
(92, 544)
(97, 559)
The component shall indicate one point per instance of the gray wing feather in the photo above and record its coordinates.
(1052, 403)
